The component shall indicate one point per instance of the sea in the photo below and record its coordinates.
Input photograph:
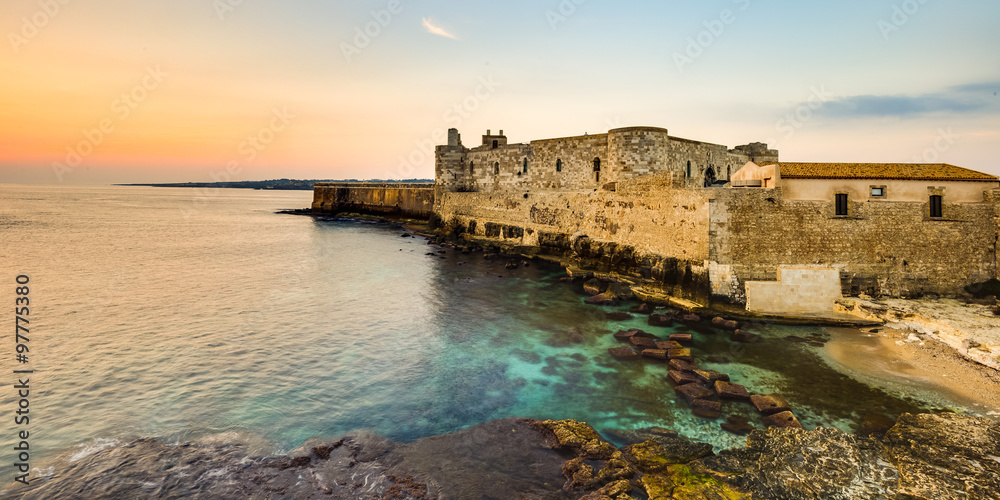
(185, 314)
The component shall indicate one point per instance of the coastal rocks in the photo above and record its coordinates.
(623, 353)
(602, 299)
(945, 456)
(655, 455)
(592, 287)
(726, 390)
(681, 365)
(783, 420)
(642, 342)
(682, 338)
(678, 482)
(621, 290)
(668, 344)
(643, 308)
(624, 335)
(681, 378)
(745, 337)
(655, 353)
(682, 354)
(709, 377)
(769, 404)
(660, 320)
(692, 392)
(575, 436)
(724, 323)
(618, 315)
(690, 318)
(738, 425)
(706, 409)
(632, 436)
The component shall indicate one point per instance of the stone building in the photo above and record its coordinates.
(706, 222)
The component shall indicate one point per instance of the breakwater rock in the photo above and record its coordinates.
(922, 457)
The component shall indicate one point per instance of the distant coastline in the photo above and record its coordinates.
(282, 184)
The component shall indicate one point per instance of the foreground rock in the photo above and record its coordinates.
(929, 457)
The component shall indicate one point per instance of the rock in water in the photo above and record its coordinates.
(783, 420)
(770, 404)
(745, 337)
(602, 299)
(624, 353)
(592, 287)
(643, 308)
(660, 320)
(618, 315)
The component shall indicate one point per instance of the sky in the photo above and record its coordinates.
(119, 91)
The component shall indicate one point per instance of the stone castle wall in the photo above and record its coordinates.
(409, 200)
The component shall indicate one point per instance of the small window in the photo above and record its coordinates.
(525, 165)
(841, 204)
(471, 167)
(878, 192)
(496, 168)
(936, 206)
(689, 170)
(597, 164)
(496, 144)
(558, 165)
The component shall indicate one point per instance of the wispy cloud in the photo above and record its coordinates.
(962, 99)
(436, 30)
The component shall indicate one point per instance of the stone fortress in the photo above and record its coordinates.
(704, 222)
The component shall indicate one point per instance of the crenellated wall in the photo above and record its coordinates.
(407, 200)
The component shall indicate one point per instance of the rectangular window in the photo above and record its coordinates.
(878, 192)
(841, 204)
(936, 206)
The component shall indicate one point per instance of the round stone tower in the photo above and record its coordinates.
(636, 151)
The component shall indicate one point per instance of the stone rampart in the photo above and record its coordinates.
(406, 200)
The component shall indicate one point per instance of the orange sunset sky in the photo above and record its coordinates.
(103, 91)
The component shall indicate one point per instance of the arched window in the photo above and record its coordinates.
(709, 177)
(496, 168)
(559, 165)
(597, 164)
(729, 172)
(689, 169)
(495, 144)
(471, 168)
(525, 165)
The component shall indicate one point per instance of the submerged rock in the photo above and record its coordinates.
(706, 409)
(643, 308)
(692, 392)
(770, 404)
(625, 353)
(592, 287)
(660, 320)
(618, 315)
(724, 323)
(745, 337)
(737, 425)
(602, 299)
(783, 420)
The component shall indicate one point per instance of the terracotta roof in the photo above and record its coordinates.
(906, 171)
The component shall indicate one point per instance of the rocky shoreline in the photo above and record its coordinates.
(922, 456)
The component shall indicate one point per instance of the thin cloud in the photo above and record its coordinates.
(436, 30)
(961, 99)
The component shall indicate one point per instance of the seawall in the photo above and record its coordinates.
(402, 199)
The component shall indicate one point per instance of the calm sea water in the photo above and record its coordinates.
(181, 314)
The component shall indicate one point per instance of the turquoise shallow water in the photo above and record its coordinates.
(158, 314)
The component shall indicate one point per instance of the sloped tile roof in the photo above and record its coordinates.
(906, 171)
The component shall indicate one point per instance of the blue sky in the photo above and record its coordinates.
(874, 81)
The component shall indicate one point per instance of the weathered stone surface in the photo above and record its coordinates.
(708, 377)
(592, 287)
(745, 337)
(770, 404)
(682, 366)
(603, 299)
(618, 490)
(668, 344)
(632, 436)
(792, 464)
(578, 437)
(682, 378)
(737, 425)
(783, 420)
(627, 334)
(657, 454)
(643, 342)
(655, 353)
(660, 320)
(727, 390)
(683, 338)
(624, 353)
(690, 318)
(679, 482)
(643, 308)
(706, 409)
(683, 354)
(691, 392)
(725, 323)
(621, 290)
(618, 315)
(945, 456)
